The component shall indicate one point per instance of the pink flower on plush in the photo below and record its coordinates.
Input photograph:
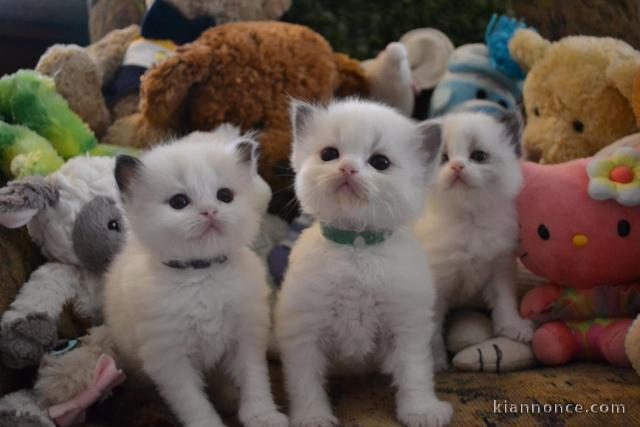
(576, 233)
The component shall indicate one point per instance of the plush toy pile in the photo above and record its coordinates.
(193, 65)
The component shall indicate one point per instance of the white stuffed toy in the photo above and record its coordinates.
(74, 215)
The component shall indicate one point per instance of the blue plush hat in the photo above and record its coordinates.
(481, 77)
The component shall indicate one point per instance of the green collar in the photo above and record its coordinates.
(349, 237)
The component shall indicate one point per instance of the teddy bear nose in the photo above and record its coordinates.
(580, 240)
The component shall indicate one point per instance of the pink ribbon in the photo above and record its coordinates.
(106, 377)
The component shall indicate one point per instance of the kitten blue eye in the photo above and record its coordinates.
(445, 158)
(479, 156)
(179, 201)
(379, 162)
(329, 153)
(225, 195)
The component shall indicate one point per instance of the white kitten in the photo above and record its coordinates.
(358, 289)
(470, 228)
(186, 294)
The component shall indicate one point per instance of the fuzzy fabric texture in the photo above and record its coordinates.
(240, 68)
(51, 207)
(578, 94)
(80, 73)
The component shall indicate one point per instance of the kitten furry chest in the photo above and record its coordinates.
(350, 290)
(464, 258)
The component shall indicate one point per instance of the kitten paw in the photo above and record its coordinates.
(315, 421)
(270, 419)
(518, 329)
(434, 414)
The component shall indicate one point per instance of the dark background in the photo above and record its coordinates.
(360, 28)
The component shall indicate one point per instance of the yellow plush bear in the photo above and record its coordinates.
(578, 94)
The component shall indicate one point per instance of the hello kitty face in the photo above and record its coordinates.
(362, 165)
(571, 238)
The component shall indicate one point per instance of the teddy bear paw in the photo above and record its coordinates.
(24, 341)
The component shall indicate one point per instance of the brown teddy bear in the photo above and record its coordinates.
(245, 74)
(81, 74)
(578, 94)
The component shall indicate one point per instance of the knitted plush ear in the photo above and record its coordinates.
(22, 200)
(527, 47)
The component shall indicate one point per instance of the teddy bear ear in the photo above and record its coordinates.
(22, 200)
(622, 74)
(527, 47)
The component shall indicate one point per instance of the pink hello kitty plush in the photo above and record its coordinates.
(580, 229)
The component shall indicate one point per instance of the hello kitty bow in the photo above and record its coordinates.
(106, 377)
(616, 177)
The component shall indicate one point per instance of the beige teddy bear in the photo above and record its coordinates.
(578, 94)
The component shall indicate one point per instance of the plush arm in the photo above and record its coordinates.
(165, 87)
(29, 327)
(46, 292)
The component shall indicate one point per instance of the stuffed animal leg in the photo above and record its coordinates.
(556, 343)
(469, 337)
(390, 80)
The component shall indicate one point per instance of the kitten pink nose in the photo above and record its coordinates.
(457, 166)
(348, 170)
(209, 213)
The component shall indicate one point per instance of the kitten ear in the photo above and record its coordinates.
(248, 151)
(513, 123)
(431, 138)
(127, 170)
(300, 112)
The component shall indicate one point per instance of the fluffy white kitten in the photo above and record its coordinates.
(470, 226)
(358, 289)
(186, 294)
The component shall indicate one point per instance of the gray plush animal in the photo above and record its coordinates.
(74, 215)
(75, 218)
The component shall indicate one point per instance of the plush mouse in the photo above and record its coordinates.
(580, 224)
(74, 375)
(578, 94)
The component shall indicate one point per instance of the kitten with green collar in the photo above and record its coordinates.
(358, 290)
